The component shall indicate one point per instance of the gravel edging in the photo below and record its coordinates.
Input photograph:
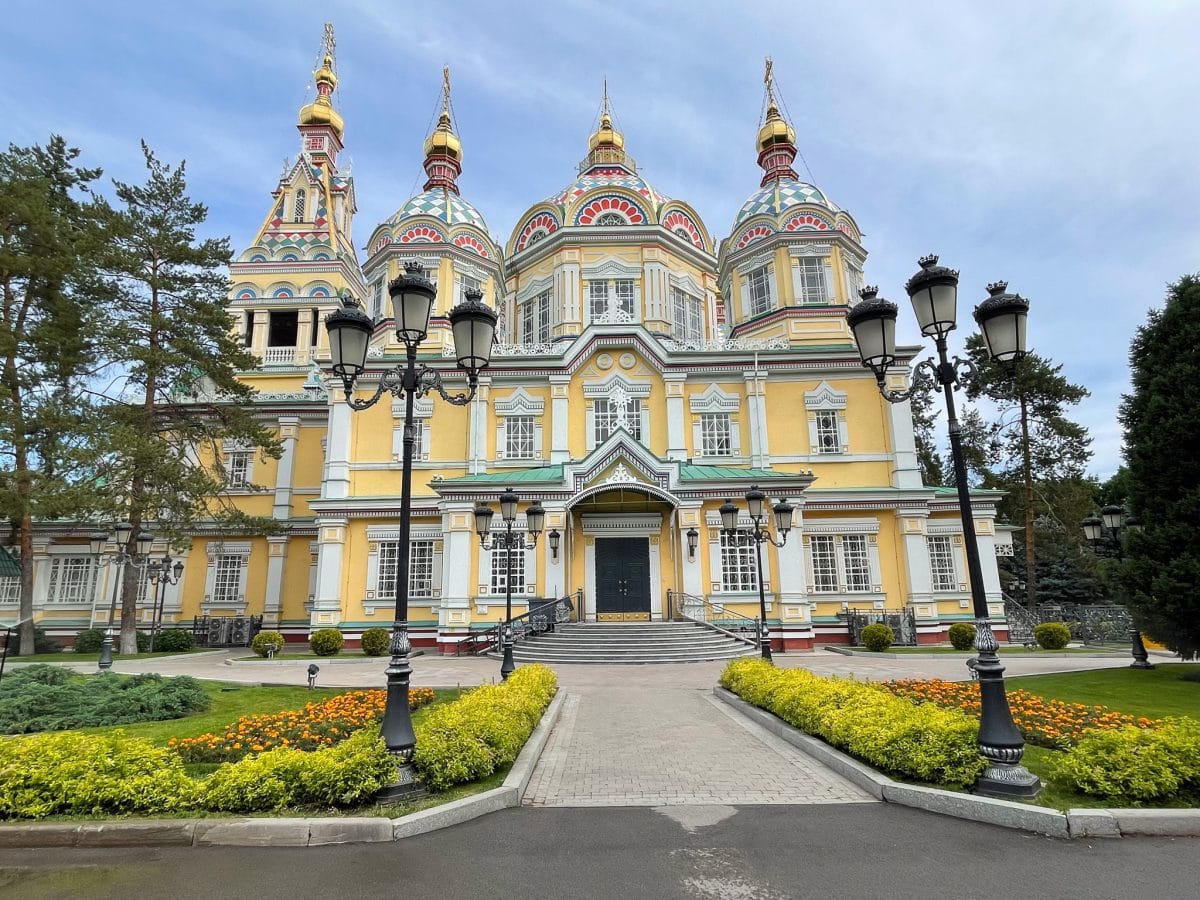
(1074, 823)
(285, 832)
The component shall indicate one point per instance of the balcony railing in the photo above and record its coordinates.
(285, 356)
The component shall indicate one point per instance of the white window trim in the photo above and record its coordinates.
(772, 299)
(378, 535)
(799, 289)
(422, 410)
(824, 398)
(214, 551)
(839, 531)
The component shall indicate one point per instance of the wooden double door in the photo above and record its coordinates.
(623, 579)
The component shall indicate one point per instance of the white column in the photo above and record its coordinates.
(905, 472)
(277, 546)
(567, 282)
(560, 451)
(555, 584)
(331, 542)
(693, 574)
(336, 485)
(676, 417)
(760, 452)
(258, 339)
(919, 579)
(289, 431)
(478, 425)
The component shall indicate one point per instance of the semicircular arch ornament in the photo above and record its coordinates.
(681, 224)
(539, 226)
(806, 222)
(472, 243)
(422, 234)
(380, 242)
(752, 234)
(611, 210)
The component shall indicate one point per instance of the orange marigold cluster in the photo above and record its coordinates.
(1042, 721)
(318, 724)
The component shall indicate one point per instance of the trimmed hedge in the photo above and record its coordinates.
(484, 730)
(174, 640)
(922, 742)
(1052, 635)
(1135, 764)
(376, 642)
(962, 636)
(876, 638)
(326, 642)
(260, 641)
(89, 640)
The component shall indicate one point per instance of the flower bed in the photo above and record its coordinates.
(317, 725)
(1048, 723)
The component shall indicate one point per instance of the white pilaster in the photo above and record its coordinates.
(560, 451)
(676, 424)
(478, 434)
(289, 432)
(331, 542)
(336, 485)
(760, 451)
(905, 471)
(276, 558)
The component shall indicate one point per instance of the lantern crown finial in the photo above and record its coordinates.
(928, 261)
(997, 287)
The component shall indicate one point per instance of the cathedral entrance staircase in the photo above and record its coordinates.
(632, 642)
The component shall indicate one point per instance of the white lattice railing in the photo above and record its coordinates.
(279, 356)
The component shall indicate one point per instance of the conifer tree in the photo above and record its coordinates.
(1161, 416)
(175, 398)
(50, 237)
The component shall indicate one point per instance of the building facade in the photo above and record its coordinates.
(644, 373)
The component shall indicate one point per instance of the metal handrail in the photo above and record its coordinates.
(538, 620)
(704, 612)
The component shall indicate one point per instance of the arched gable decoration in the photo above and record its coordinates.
(681, 224)
(609, 210)
(422, 234)
(472, 243)
(752, 234)
(807, 222)
(538, 226)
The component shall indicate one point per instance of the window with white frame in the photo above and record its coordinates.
(468, 283)
(420, 569)
(687, 319)
(298, 205)
(500, 567)
(739, 568)
(237, 467)
(824, 563)
(72, 579)
(10, 590)
(854, 283)
(856, 563)
(534, 315)
(841, 563)
(827, 428)
(829, 431)
(941, 562)
(716, 434)
(518, 437)
(611, 414)
(809, 280)
(611, 300)
(227, 579)
(377, 300)
(758, 291)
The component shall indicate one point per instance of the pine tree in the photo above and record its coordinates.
(1029, 444)
(50, 237)
(170, 332)
(925, 412)
(1161, 417)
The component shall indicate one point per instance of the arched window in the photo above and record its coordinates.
(298, 206)
(611, 219)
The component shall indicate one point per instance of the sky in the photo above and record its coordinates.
(1050, 144)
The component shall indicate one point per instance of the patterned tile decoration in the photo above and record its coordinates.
(441, 204)
(681, 224)
(607, 176)
(780, 196)
(601, 206)
(422, 234)
(807, 222)
(468, 242)
(538, 226)
(752, 234)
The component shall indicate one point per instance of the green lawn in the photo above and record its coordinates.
(1153, 693)
(64, 657)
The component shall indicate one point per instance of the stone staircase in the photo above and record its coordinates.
(630, 642)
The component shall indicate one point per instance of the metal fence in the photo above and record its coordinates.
(225, 631)
(1090, 624)
(903, 623)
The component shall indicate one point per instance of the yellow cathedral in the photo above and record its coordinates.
(644, 373)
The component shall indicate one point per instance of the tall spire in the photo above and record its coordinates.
(606, 145)
(321, 111)
(776, 138)
(443, 149)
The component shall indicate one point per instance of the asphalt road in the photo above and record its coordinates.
(742, 853)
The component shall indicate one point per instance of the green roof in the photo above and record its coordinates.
(689, 472)
(9, 567)
(513, 476)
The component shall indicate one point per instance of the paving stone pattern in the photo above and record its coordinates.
(668, 746)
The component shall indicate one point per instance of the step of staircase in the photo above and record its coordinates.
(639, 643)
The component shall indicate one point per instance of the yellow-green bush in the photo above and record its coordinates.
(923, 741)
(70, 773)
(1052, 635)
(484, 730)
(1135, 764)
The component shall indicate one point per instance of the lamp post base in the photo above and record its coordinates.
(405, 787)
(1006, 781)
(764, 642)
(106, 651)
(508, 666)
(1141, 659)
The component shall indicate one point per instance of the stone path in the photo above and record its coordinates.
(670, 746)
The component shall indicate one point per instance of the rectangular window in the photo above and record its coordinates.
(824, 564)
(10, 590)
(227, 579)
(518, 437)
(739, 569)
(500, 566)
(467, 283)
(420, 569)
(535, 319)
(282, 328)
(685, 317)
(829, 439)
(610, 416)
(854, 284)
(237, 467)
(72, 579)
(715, 434)
(857, 563)
(377, 300)
(808, 279)
(941, 563)
(758, 284)
(248, 329)
(611, 301)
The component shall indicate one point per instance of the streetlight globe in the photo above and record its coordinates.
(412, 304)
(873, 323)
(508, 505)
(1002, 318)
(783, 516)
(96, 542)
(1093, 528)
(145, 542)
(349, 329)
(729, 516)
(483, 519)
(473, 325)
(1112, 516)
(934, 295)
(755, 501)
(535, 518)
(693, 540)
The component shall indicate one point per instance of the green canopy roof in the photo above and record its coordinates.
(9, 568)
(689, 472)
(513, 476)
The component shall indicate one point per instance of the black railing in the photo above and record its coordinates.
(225, 631)
(1090, 624)
(539, 619)
(903, 623)
(692, 608)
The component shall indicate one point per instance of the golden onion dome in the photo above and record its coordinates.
(775, 130)
(325, 74)
(443, 140)
(321, 111)
(606, 135)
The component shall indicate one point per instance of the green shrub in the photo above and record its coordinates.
(876, 638)
(376, 641)
(174, 640)
(326, 642)
(43, 643)
(1134, 764)
(922, 742)
(90, 774)
(1052, 635)
(143, 641)
(483, 730)
(259, 644)
(962, 636)
(89, 640)
(50, 698)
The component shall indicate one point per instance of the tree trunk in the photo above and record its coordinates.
(25, 539)
(25, 610)
(1027, 471)
(132, 578)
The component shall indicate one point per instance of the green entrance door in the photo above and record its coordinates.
(623, 579)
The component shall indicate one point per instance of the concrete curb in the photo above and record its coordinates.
(15, 662)
(282, 832)
(964, 655)
(1075, 823)
(285, 660)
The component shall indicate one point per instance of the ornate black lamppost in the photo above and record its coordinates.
(127, 549)
(474, 327)
(756, 501)
(1001, 317)
(535, 517)
(162, 573)
(1107, 531)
